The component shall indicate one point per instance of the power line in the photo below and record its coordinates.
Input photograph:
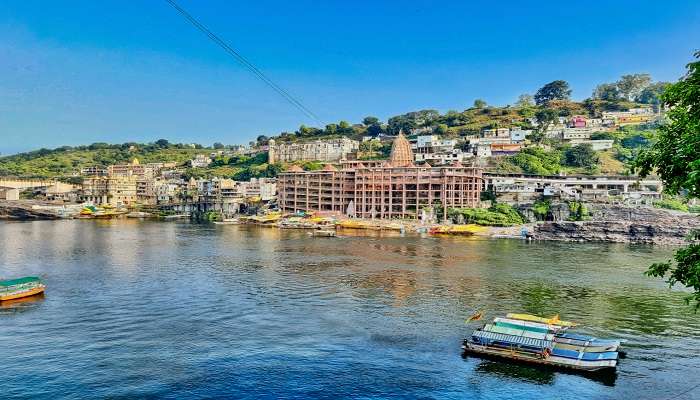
(243, 61)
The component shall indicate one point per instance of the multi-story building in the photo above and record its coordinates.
(436, 151)
(518, 135)
(93, 171)
(319, 150)
(396, 189)
(496, 133)
(263, 188)
(113, 190)
(135, 168)
(168, 191)
(634, 116)
(578, 121)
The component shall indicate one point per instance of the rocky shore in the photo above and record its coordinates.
(25, 210)
(623, 224)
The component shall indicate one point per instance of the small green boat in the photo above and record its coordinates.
(22, 287)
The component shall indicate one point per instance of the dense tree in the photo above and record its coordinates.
(525, 100)
(581, 155)
(218, 145)
(630, 86)
(375, 130)
(332, 129)
(441, 129)
(479, 103)
(555, 90)
(262, 140)
(676, 159)
(652, 93)
(545, 118)
(162, 143)
(401, 123)
(367, 121)
(344, 128)
(536, 160)
(607, 91)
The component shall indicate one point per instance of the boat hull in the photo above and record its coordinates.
(597, 366)
(19, 295)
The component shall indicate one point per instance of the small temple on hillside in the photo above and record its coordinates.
(386, 189)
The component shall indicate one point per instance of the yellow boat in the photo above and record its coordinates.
(352, 224)
(22, 287)
(533, 318)
(456, 229)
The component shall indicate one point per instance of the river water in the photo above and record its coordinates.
(177, 310)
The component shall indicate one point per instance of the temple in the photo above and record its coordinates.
(394, 188)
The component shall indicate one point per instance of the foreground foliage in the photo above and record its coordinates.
(676, 159)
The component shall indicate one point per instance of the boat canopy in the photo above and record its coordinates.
(20, 281)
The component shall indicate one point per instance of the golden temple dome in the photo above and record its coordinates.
(401, 153)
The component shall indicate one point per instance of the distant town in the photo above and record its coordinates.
(333, 187)
(544, 159)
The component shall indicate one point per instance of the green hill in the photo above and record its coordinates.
(66, 161)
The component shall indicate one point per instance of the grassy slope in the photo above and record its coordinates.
(65, 163)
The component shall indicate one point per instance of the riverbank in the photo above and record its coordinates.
(622, 224)
(606, 223)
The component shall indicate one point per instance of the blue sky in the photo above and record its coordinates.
(77, 72)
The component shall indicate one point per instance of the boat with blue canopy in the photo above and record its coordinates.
(542, 341)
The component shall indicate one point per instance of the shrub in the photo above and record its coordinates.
(541, 208)
(497, 215)
(671, 204)
(577, 211)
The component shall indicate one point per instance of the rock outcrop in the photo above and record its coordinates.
(23, 210)
(623, 224)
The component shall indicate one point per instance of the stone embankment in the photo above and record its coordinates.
(24, 210)
(610, 223)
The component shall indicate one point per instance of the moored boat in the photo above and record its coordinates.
(324, 233)
(21, 287)
(542, 341)
(466, 230)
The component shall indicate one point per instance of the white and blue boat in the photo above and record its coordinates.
(543, 344)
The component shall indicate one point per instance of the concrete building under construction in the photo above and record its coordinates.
(395, 188)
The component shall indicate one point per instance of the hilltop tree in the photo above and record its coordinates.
(630, 86)
(555, 90)
(218, 145)
(607, 91)
(262, 140)
(676, 159)
(162, 143)
(344, 127)
(375, 130)
(478, 103)
(652, 93)
(331, 129)
(525, 100)
(367, 121)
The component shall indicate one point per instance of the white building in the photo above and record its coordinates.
(483, 150)
(597, 145)
(518, 135)
(496, 133)
(318, 150)
(200, 161)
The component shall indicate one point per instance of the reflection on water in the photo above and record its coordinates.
(21, 304)
(538, 376)
(144, 309)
